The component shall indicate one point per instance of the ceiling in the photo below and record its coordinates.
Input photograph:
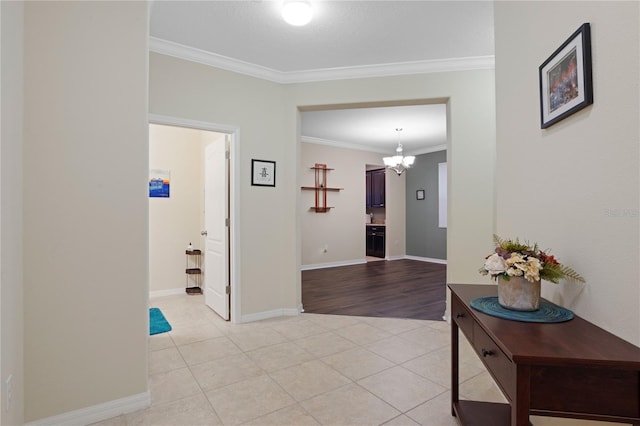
(424, 128)
(345, 39)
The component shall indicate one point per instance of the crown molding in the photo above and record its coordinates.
(427, 150)
(359, 147)
(392, 69)
(345, 145)
(181, 51)
(192, 54)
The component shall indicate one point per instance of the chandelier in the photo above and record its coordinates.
(398, 163)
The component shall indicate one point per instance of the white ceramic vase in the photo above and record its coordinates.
(519, 294)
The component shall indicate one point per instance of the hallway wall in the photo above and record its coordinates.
(86, 320)
(11, 222)
(266, 223)
(574, 187)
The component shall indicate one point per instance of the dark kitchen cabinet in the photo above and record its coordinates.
(375, 188)
(368, 190)
(375, 241)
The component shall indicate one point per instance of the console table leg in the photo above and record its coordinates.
(454, 365)
(520, 405)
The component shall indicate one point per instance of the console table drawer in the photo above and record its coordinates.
(498, 364)
(461, 315)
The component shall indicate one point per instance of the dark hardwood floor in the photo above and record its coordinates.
(397, 289)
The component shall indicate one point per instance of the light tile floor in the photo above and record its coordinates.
(305, 370)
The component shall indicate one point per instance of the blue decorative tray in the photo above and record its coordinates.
(548, 312)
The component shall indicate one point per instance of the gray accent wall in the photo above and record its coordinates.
(424, 237)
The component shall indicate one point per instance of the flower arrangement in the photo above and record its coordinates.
(515, 259)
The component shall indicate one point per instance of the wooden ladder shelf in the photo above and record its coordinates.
(321, 188)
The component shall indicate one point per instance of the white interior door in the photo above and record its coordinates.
(216, 247)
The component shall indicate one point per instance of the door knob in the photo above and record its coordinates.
(204, 233)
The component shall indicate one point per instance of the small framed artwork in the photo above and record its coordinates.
(420, 194)
(566, 84)
(263, 173)
(159, 183)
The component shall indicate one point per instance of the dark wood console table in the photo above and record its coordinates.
(571, 369)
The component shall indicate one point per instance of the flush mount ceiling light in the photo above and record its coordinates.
(398, 163)
(297, 12)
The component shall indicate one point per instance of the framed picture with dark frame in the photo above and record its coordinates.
(420, 194)
(566, 84)
(263, 173)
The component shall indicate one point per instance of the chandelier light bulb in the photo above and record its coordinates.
(297, 12)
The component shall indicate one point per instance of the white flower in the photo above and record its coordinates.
(532, 269)
(514, 260)
(514, 272)
(494, 264)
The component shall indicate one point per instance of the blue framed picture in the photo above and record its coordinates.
(159, 183)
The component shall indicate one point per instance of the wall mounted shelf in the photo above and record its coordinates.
(321, 188)
(325, 189)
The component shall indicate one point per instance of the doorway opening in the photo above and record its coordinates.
(196, 215)
(375, 219)
(354, 138)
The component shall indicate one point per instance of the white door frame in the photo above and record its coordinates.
(234, 196)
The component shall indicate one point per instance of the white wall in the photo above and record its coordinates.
(85, 204)
(11, 294)
(574, 187)
(342, 229)
(395, 238)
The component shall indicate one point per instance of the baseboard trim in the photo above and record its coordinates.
(332, 264)
(258, 316)
(169, 292)
(392, 258)
(97, 413)
(361, 261)
(426, 259)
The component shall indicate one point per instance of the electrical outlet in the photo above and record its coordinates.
(9, 391)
